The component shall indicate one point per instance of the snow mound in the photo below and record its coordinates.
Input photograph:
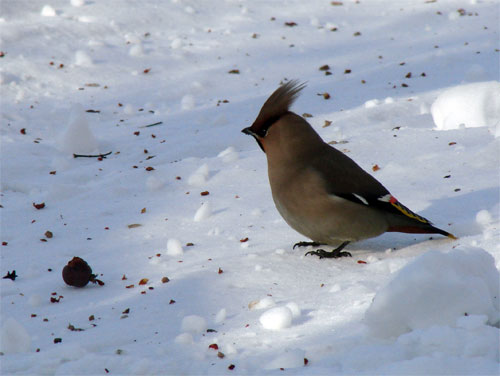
(263, 303)
(229, 155)
(15, 338)
(83, 59)
(174, 247)
(277, 318)
(77, 137)
(220, 316)
(48, 11)
(194, 324)
(471, 105)
(203, 212)
(437, 289)
(199, 177)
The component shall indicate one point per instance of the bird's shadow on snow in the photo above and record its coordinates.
(459, 212)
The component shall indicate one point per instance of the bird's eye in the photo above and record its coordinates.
(262, 132)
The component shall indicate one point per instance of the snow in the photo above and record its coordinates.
(470, 105)
(437, 289)
(193, 324)
(15, 338)
(77, 137)
(277, 318)
(203, 212)
(174, 247)
(178, 220)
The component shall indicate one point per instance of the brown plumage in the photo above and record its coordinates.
(318, 190)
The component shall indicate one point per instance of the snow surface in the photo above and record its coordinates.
(178, 220)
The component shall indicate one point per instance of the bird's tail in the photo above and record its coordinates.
(426, 228)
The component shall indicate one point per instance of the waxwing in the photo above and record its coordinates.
(319, 191)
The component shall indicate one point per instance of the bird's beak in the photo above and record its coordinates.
(248, 131)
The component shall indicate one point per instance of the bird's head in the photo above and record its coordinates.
(275, 107)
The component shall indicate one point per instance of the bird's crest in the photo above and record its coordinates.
(277, 105)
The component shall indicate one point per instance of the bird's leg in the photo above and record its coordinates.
(336, 253)
(305, 244)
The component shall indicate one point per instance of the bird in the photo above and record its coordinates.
(318, 190)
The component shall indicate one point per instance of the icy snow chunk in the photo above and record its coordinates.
(83, 59)
(128, 109)
(184, 339)
(174, 247)
(229, 155)
(257, 212)
(372, 103)
(294, 308)
(220, 316)
(436, 289)
(471, 105)
(291, 358)
(265, 302)
(176, 43)
(199, 177)
(193, 324)
(15, 338)
(77, 137)
(48, 11)
(389, 100)
(335, 288)
(203, 212)
(187, 102)
(136, 50)
(276, 318)
(77, 3)
(483, 218)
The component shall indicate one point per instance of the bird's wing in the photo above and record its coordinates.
(344, 178)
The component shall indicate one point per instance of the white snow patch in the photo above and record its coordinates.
(277, 318)
(263, 303)
(220, 316)
(436, 289)
(294, 308)
(136, 50)
(77, 3)
(188, 102)
(48, 11)
(470, 105)
(229, 155)
(203, 212)
(176, 43)
(372, 103)
(199, 177)
(83, 59)
(483, 218)
(15, 338)
(77, 137)
(184, 339)
(174, 247)
(194, 324)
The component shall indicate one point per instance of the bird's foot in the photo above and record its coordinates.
(306, 244)
(336, 253)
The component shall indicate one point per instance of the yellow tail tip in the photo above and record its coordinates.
(451, 236)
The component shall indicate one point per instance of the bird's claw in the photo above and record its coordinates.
(321, 253)
(306, 244)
